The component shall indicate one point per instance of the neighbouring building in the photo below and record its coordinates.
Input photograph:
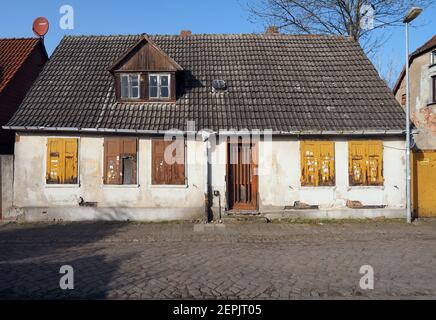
(21, 61)
(423, 115)
(306, 129)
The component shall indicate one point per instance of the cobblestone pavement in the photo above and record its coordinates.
(241, 261)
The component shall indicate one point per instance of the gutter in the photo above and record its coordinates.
(221, 132)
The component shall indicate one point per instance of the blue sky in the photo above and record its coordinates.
(169, 17)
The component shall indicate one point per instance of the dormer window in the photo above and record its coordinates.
(130, 86)
(159, 86)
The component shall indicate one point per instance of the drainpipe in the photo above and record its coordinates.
(208, 188)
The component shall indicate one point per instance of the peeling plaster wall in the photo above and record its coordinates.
(423, 113)
(147, 202)
(279, 182)
(280, 186)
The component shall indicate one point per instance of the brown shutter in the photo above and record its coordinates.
(165, 173)
(158, 163)
(112, 150)
(179, 166)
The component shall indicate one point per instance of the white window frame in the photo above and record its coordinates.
(433, 57)
(62, 185)
(159, 75)
(129, 85)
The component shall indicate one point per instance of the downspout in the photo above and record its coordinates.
(208, 187)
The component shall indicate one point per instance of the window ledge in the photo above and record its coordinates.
(53, 186)
(366, 187)
(432, 65)
(318, 187)
(168, 186)
(430, 104)
(120, 186)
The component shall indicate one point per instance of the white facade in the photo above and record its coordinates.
(279, 184)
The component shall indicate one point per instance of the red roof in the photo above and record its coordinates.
(13, 53)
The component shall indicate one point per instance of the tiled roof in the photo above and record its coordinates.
(13, 53)
(281, 82)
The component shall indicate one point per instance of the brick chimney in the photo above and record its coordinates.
(272, 30)
(185, 33)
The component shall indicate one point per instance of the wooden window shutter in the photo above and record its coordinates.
(357, 162)
(62, 160)
(54, 161)
(366, 162)
(70, 161)
(309, 163)
(179, 166)
(327, 163)
(166, 173)
(112, 150)
(317, 163)
(375, 163)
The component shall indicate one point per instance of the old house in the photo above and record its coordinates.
(257, 123)
(423, 115)
(21, 61)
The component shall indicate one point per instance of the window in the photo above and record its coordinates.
(61, 161)
(159, 86)
(433, 85)
(130, 88)
(168, 162)
(403, 100)
(433, 57)
(120, 159)
(317, 163)
(365, 163)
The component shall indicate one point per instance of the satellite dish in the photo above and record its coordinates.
(40, 26)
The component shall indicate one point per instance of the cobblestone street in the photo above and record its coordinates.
(241, 261)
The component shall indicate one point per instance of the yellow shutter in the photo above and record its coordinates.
(309, 163)
(327, 163)
(61, 161)
(365, 162)
(375, 163)
(317, 163)
(70, 161)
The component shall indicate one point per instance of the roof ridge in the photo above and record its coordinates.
(280, 35)
(20, 38)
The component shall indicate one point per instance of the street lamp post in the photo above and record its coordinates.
(410, 16)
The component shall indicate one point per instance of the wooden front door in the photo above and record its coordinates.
(242, 175)
(424, 183)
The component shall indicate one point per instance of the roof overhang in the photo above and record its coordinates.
(220, 132)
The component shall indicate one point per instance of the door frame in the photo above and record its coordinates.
(255, 177)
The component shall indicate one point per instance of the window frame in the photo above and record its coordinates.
(318, 143)
(130, 86)
(433, 87)
(185, 164)
(159, 97)
(103, 166)
(45, 160)
(381, 182)
(432, 57)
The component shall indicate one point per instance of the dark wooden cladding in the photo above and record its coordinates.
(242, 180)
(147, 57)
(164, 173)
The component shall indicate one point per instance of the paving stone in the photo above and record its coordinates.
(244, 261)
